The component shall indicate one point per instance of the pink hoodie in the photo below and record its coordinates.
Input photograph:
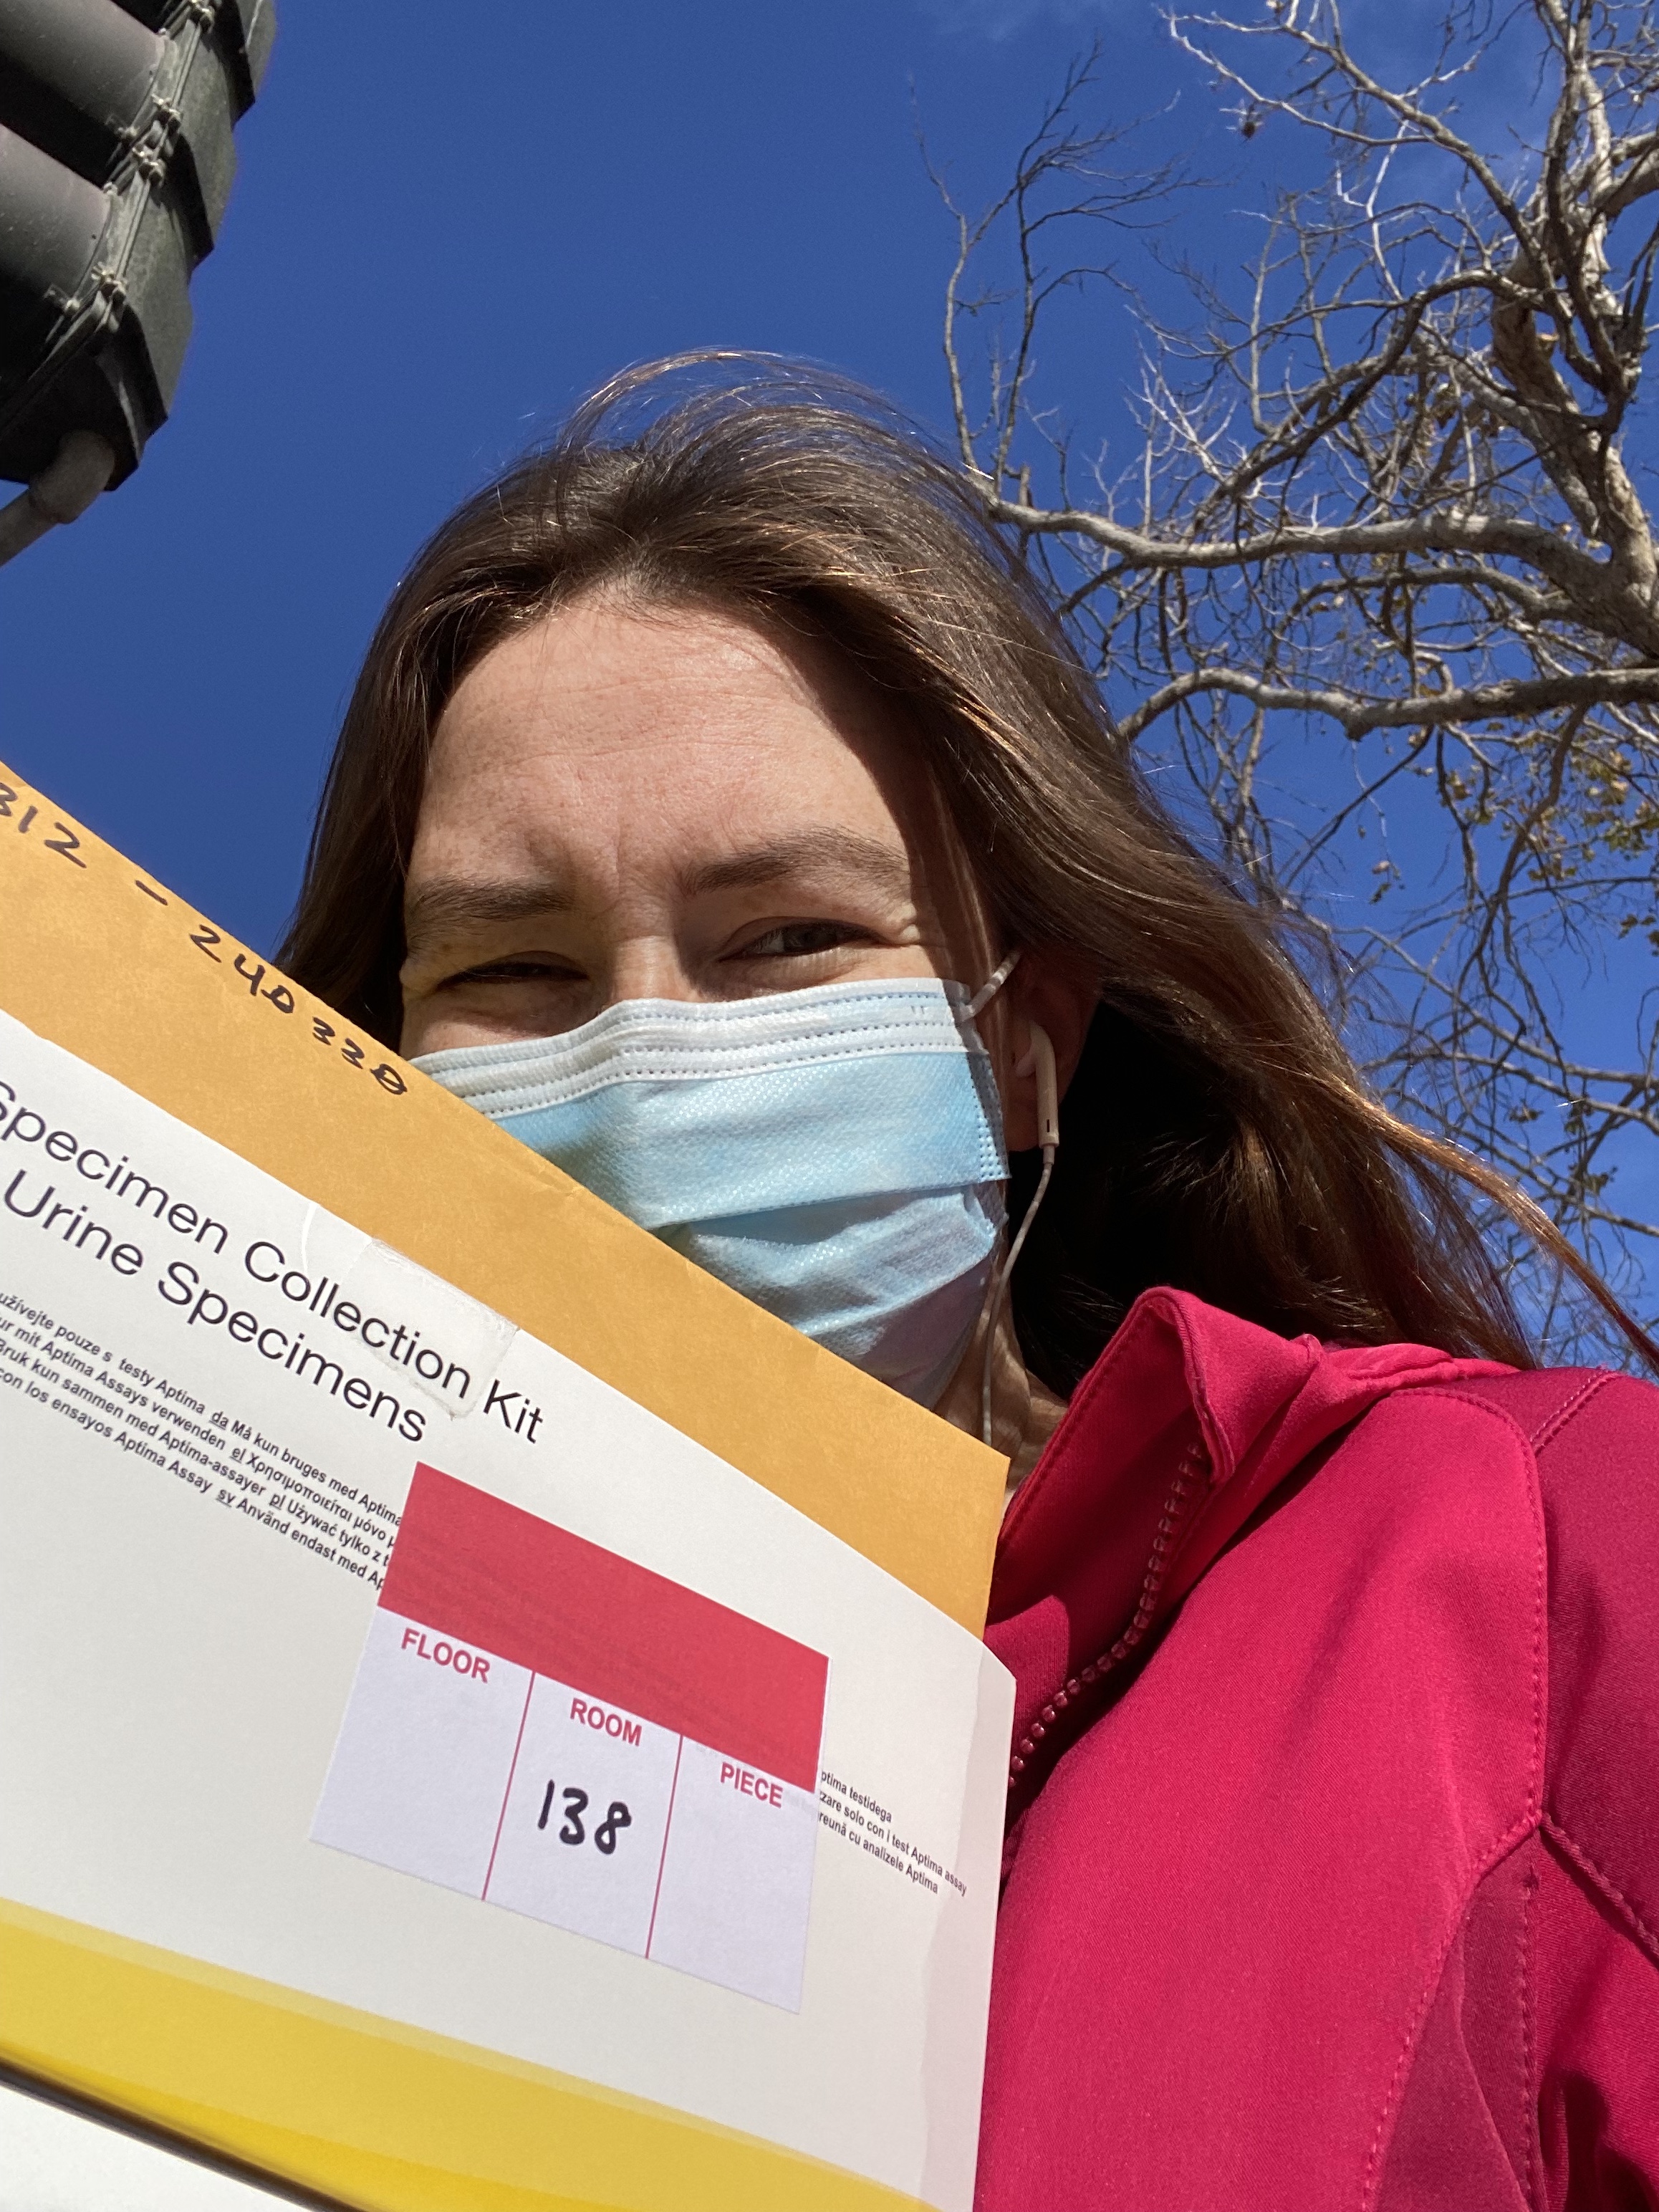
(1339, 1886)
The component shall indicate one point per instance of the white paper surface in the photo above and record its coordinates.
(204, 1448)
(55, 2161)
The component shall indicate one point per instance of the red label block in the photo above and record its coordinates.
(491, 1575)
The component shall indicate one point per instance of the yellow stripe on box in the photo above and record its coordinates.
(382, 2116)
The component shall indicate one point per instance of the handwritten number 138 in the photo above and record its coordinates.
(618, 1817)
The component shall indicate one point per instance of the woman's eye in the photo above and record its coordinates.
(514, 971)
(797, 940)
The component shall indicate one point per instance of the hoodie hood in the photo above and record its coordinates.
(1187, 1425)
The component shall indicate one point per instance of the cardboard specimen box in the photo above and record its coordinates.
(487, 1715)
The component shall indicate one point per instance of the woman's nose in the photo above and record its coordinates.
(646, 967)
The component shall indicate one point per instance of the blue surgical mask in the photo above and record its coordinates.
(835, 1154)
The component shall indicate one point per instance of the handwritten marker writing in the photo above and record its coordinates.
(550, 1727)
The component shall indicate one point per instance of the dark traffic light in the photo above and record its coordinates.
(116, 160)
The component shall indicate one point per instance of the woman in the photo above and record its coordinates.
(721, 808)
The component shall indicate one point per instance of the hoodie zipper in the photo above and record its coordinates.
(1190, 1481)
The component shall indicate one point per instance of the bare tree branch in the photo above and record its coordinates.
(1379, 591)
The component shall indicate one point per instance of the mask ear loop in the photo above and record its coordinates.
(992, 983)
(1041, 1056)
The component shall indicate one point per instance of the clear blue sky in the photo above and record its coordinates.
(448, 223)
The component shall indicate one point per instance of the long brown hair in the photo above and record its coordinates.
(1216, 1135)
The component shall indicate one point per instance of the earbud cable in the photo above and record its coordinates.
(1047, 1082)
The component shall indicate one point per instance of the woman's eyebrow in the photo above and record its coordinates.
(456, 902)
(843, 850)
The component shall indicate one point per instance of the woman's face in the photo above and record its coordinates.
(629, 802)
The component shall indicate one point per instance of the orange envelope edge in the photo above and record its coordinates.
(115, 968)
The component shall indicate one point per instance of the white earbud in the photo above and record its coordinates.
(1041, 1057)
